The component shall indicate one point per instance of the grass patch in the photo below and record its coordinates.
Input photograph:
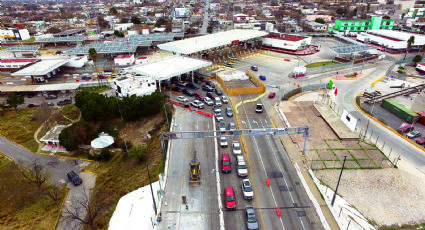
(318, 64)
(96, 89)
(70, 111)
(352, 75)
(20, 127)
(25, 206)
(121, 175)
(28, 40)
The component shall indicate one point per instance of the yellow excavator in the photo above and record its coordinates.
(195, 171)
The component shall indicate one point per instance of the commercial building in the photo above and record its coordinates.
(391, 41)
(134, 85)
(124, 60)
(14, 35)
(317, 27)
(313, 17)
(286, 42)
(361, 25)
(414, 13)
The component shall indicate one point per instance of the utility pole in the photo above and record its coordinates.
(150, 183)
(336, 190)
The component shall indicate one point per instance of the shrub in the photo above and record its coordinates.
(122, 145)
(104, 155)
(139, 152)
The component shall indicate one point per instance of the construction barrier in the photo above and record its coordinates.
(278, 211)
(268, 182)
(261, 88)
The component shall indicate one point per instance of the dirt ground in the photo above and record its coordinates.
(388, 196)
(136, 132)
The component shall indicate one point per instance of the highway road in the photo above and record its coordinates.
(268, 159)
(201, 200)
(349, 89)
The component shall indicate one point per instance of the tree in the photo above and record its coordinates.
(118, 34)
(368, 8)
(62, 10)
(210, 27)
(73, 212)
(93, 54)
(53, 30)
(38, 177)
(159, 22)
(43, 113)
(102, 22)
(409, 44)
(78, 133)
(124, 20)
(386, 17)
(14, 100)
(54, 193)
(135, 20)
(417, 59)
(320, 20)
(423, 50)
(341, 11)
(113, 10)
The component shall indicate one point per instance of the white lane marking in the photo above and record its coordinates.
(217, 176)
(262, 163)
(274, 153)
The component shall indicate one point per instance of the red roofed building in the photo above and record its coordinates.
(124, 60)
(286, 42)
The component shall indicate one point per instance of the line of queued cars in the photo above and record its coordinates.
(242, 171)
(408, 129)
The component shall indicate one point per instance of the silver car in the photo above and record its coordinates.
(232, 127)
(247, 191)
(222, 126)
(208, 101)
(251, 219)
(224, 99)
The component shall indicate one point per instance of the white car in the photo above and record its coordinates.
(247, 191)
(223, 142)
(208, 101)
(217, 101)
(224, 99)
(236, 147)
(222, 127)
(219, 117)
(241, 168)
(197, 104)
(216, 109)
(182, 99)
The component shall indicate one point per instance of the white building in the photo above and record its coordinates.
(12, 34)
(51, 139)
(134, 85)
(392, 40)
(124, 60)
(286, 42)
(141, 60)
(420, 67)
(123, 26)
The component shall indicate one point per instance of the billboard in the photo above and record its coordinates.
(182, 12)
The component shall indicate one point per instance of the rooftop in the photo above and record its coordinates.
(285, 37)
(42, 67)
(201, 43)
(18, 60)
(53, 134)
(123, 56)
(166, 68)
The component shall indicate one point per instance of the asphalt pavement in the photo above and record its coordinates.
(268, 159)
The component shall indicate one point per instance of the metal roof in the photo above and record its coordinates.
(23, 48)
(40, 88)
(53, 134)
(168, 67)
(62, 39)
(345, 49)
(41, 68)
(197, 44)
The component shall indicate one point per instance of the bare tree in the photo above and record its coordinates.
(81, 212)
(54, 193)
(37, 177)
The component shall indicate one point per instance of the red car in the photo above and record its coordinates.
(272, 94)
(420, 140)
(405, 128)
(30, 105)
(226, 166)
(229, 197)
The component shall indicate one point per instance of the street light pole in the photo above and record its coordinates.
(150, 183)
(336, 190)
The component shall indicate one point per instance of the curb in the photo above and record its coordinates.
(60, 213)
(389, 128)
(73, 158)
(374, 83)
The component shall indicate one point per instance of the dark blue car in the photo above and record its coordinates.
(188, 92)
(176, 89)
(192, 86)
(262, 77)
(207, 88)
(218, 91)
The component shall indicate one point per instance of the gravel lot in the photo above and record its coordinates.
(385, 196)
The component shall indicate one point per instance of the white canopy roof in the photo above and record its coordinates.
(404, 36)
(41, 68)
(168, 67)
(104, 140)
(197, 44)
